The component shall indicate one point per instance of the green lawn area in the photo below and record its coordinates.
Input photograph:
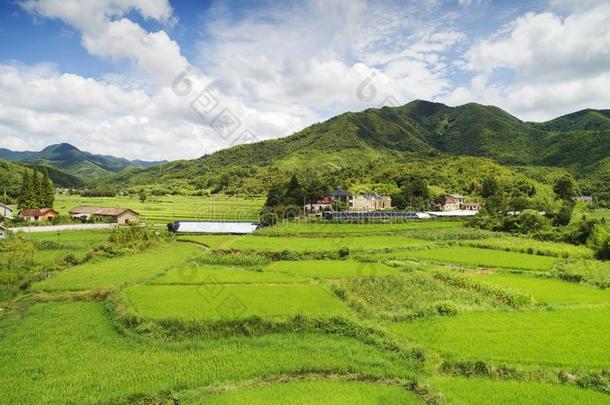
(71, 352)
(330, 268)
(233, 301)
(550, 291)
(313, 393)
(302, 244)
(122, 270)
(164, 209)
(301, 227)
(474, 391)
(571, 337)
(204, 274)
(478, 257)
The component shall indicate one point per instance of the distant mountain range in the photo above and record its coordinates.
(72, 161)
(367, 141)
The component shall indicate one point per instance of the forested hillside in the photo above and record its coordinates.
(11, 176)
(358, 147)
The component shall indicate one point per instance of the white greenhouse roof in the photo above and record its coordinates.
(454, 213)
(215, 227)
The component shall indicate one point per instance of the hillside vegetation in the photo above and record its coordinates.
(421, 135)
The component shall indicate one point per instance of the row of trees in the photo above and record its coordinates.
(36, 191)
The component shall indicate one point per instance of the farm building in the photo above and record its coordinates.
(6, 211)
(43, 214)
(457, 202)
(236, 228)
(105, 214)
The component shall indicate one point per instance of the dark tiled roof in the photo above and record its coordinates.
(113, 212)
(340, 192)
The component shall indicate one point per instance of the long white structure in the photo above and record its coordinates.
(214, 227)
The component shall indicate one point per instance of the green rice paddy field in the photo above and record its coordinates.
(478, 257)
(164, 209)
(185, 322)
(305, 244)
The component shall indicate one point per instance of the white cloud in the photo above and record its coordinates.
(104, 33)
(312, 57)
(560, 63)
(40, 106)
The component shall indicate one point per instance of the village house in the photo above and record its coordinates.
(457, 202)
(319, 206)
(342, 197)
(6, 211)
(371, 202)
(103, 214)
(42, 214)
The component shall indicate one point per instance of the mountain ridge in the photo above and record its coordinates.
(71, 160)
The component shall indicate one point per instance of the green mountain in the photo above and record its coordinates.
(357, 145)
(73, 161)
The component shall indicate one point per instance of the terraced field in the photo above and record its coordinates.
(216, 302)
(551, 291)
(306, 315)
(571, 337)
(120, 271)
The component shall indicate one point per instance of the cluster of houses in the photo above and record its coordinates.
(120, 216)
(348, 201)
(343, 200)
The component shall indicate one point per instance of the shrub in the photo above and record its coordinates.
(222, 258)
(588, 271)
(343, 252)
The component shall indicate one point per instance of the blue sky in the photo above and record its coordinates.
(109, 75)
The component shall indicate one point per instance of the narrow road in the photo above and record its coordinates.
(57, 228)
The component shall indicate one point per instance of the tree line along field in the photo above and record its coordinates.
(420, 312)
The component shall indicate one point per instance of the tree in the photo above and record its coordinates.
(490, 187)
(47, 195)
(293, 193)
(493, 195)
(27, 195)
(564, 215)
(36, 198)
(565, 188)
(531, 221)
(142, 195)
(413, 193)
